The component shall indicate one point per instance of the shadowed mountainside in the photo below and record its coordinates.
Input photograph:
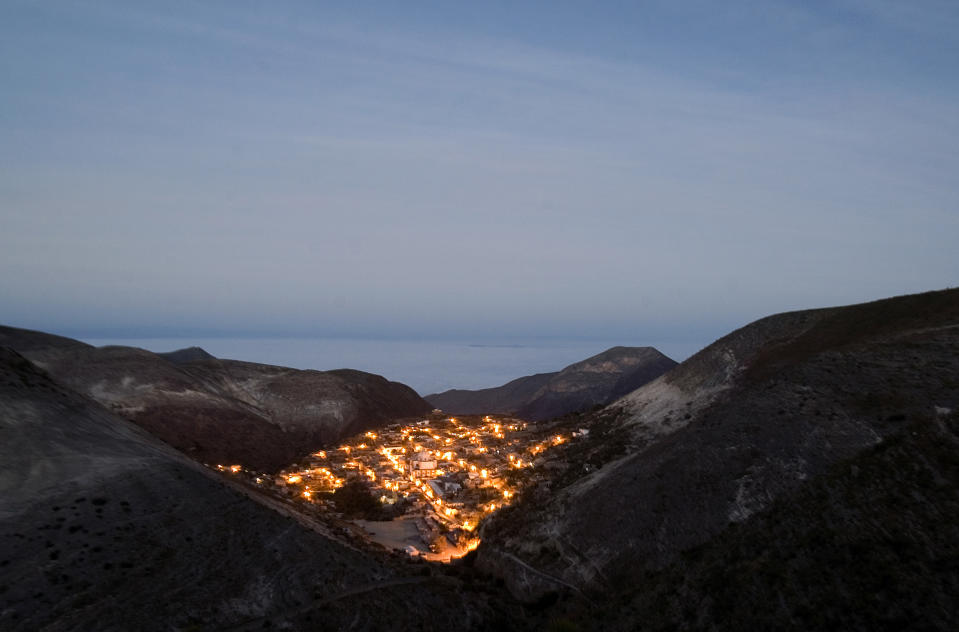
(222, 411)
(799, 473)
(184, 356)
(598, 380)
(104, 527)
(717, 440)
(873, 544)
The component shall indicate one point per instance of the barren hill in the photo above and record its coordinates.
(872, 544)
(598, 380)
(103, 527)
(717, 440)
(222, 411)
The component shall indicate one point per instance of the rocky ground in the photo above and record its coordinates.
(873, 544)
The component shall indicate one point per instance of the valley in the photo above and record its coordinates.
(803, 466)
(422, 487)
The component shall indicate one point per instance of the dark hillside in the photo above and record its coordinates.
(29, 340)
(190, 354)
(598, 380)
(713, 442)
(848, 327)
(222, 411)
(871, 545)
(103, 527)
(500, 399)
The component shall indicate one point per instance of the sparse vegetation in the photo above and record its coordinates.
(354, 499)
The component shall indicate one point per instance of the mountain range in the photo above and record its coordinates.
(221, 411)
(795, 414)
(104, 527)
(595, 381)
(801, 472)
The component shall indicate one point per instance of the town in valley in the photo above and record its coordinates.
(420, 486)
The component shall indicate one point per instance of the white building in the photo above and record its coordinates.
(423, 465)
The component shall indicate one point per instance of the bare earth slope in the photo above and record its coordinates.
(222, 411)
(103, 527)
(873, 544)
(719, 438)
(598, 380)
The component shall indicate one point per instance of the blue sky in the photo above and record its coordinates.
(485, 170)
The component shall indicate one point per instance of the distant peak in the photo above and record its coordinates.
(190, 354)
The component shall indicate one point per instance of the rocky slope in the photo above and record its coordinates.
(717, 440)
(873, 544)
(598, 380)
(222, 411)
(104, 527)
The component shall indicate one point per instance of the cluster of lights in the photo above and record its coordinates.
(517, 462)
(442, 450)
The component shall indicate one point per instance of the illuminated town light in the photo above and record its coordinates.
(450, 448)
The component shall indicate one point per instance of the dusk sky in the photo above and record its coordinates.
(483, 169)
